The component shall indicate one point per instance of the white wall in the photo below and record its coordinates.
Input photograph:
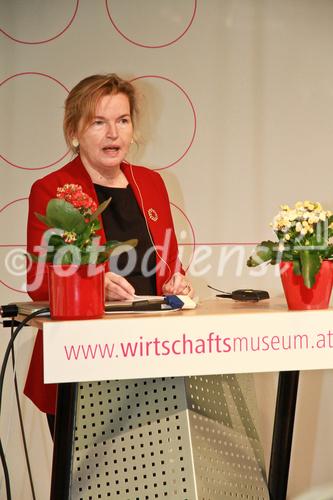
(240, 106)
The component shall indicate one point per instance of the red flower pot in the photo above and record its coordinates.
(76, 292)
(298, 296)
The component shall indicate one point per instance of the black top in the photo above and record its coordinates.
(123, 220)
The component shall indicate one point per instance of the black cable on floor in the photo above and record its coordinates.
(27, 461)
(5, 471)
(2, 378)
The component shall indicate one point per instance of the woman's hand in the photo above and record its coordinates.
(117, 287)
(178, 285)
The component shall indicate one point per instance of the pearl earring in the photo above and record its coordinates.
(75, 143)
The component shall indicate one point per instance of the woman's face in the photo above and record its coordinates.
(106, 140)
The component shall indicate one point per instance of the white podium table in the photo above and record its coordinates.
(219, 337)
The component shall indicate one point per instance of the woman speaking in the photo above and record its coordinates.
(99, 127)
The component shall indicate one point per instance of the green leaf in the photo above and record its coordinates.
(102, 257)
(32, 256)
(63, 215)
(56, 241)
(43, 219)
(328, 253)
(297, 268)
(85, 258)
(67, 258)
(100, 209)
(288, 256)
(263, 252)
(310, 265)
(84, 237)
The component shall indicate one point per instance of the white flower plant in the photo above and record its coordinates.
(304, 237)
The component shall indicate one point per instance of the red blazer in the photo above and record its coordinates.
(151, 195)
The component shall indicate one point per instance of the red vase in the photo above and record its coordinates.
(76, 291)
(298, 296)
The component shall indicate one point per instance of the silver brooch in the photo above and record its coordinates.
(152, 214)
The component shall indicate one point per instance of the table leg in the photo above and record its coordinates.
(282, 434)
(63, 442)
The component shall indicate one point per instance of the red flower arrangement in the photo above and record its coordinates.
(73, 217)
(73, 194)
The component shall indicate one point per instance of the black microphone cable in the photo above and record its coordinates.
(19, 410)
(11, 311)
(218, 290)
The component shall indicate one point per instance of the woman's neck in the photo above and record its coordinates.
(110, 177)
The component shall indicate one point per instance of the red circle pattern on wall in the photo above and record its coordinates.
(154, 45)
(27, 42)
(33, 73)
(192, 109)
(11, 245)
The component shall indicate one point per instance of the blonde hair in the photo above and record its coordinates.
(82, 101)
